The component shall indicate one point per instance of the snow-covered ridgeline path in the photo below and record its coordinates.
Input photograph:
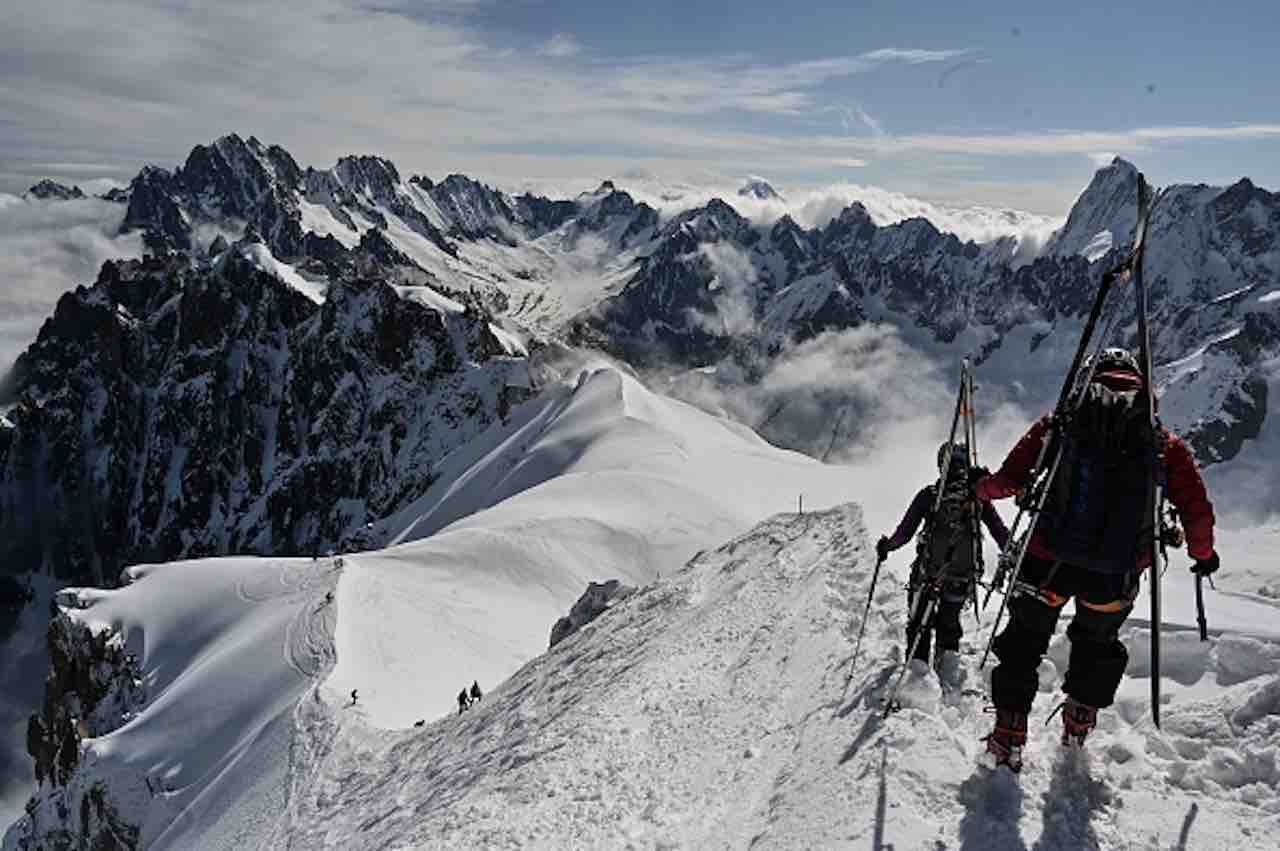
(716, 709)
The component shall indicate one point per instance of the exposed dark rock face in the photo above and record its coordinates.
(179, 410)
(49, 190)
(93, 688)
(595, 601)
(15, 595)
(475, 210)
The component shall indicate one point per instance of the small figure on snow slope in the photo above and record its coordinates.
(1088, 544)
(946, 547)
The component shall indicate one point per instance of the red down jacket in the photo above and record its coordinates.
(1183, 486)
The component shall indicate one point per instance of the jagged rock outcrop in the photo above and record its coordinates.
(49, 190)
(93, 688)
(595, 601)
(182, 409)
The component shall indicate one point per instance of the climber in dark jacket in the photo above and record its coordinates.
(959, 574)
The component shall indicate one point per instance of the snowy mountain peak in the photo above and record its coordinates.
(759, 189)
(853, 225)
(474, 210)
(605, 189)
(1104, 215)
(374, 176)
(711, 223)
(786, 224)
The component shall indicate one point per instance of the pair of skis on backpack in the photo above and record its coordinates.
(1125, 420)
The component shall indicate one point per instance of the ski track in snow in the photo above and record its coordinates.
(716, 709)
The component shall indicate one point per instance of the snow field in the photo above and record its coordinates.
(717, 709)
(229, 646)
(596, 481)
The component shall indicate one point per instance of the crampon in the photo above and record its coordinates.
(1006, 741)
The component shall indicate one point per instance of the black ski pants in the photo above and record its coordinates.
(1098, 658)
(946, 622)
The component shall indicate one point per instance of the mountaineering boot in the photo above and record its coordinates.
(1077, 720)
(1006, 741)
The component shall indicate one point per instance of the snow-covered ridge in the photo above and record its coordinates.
(715, 707)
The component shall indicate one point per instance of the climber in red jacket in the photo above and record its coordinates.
(1104, 585)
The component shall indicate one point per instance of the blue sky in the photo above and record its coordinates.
(1006, 105)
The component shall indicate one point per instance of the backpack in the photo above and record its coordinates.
(1098, 510)
(948, 545)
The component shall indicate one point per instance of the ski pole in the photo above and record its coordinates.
(1200, 618)
(866, 612)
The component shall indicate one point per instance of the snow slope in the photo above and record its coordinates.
(228, 647)
(596, 481)
(717, 709)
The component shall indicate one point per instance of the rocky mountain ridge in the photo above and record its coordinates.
(184, 407)
(328, 287)
(718, 290)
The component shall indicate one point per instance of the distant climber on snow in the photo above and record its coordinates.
(1088, 543)
(464, 702)
(946, 546)
(476, 694)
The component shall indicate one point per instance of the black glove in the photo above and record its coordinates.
(1206, 566)
(882, 548)
(977, 474)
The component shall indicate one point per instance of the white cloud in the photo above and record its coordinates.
(46, 249)
(561, 46)
(732, 289)
(327, 77)
(813, 206)
(144, 80)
